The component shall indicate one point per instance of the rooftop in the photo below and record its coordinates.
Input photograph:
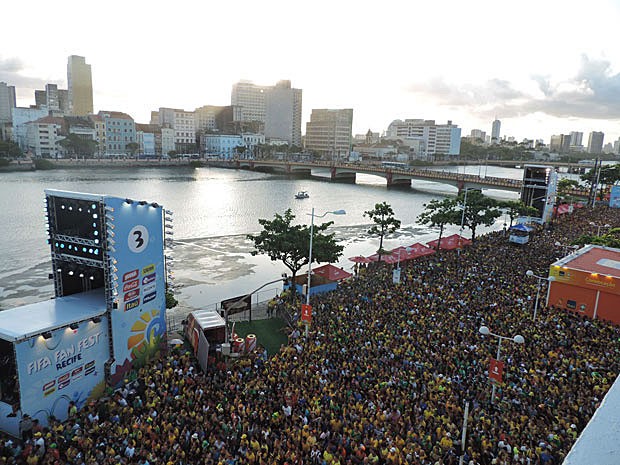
(29, 320)
(593, 259)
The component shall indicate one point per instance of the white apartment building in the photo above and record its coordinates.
(20, 117)
(248, 101)
(329, 132)
(439, 139)
(183, 124)
(100, 133)
(44, 135)
(251, 140)
(495, 131)
(167, 141)
(222, 145)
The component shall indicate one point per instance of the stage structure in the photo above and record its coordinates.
(539, 190)
(110, 274)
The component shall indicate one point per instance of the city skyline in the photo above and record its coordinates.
(479, 61)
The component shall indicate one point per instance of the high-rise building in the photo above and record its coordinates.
(560, 143)
(276, 110)
(213, 118)
(7, 102)
(283, 113)
(495, 130)
(444, 139)
(576, 138)
(248, 101)
(80, 82)
(595, 142)
(478, 134)
(329, 132)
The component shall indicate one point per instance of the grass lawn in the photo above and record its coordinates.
(268, 333)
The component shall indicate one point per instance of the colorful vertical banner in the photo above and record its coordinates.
(496, 370)
(306, 313)
(614, 197)
(69, 366)
(135, 233)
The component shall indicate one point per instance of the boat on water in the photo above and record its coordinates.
(302, 195)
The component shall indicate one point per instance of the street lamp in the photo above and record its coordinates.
(518, 339)
(464, 206)
(530, 273)
(565, 247)
(599, 226)
(335, 212)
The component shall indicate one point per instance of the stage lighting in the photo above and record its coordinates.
(110, 209)
(92, 278)
(142, 202)
(129, 201)
(155, 205)
(47, 335)
(93, 206)
(96, 319)
(71, 273)
(74, 326)
(114, 305)
(81, 275)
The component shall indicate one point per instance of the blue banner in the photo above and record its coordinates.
(67, 367)
(136, 250)
(614, 197)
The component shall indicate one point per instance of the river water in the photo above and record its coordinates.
(214, 209)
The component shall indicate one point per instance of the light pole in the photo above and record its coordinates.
(334, 212)
(530, 273)
(599, 226)
(518, 339)
(565, 247)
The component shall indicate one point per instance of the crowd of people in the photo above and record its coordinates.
(383, 377)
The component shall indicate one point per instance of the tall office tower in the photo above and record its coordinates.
(495, 128)
(7, 102)
(248, 101)
(52, 98)
(560, 143)
(478, 134)
(576, 138)
(329, 132)
(212, 118)
(80, 82)
(283, 113)
(595, 142)
(40, 99)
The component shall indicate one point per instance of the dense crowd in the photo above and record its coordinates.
(383, 378)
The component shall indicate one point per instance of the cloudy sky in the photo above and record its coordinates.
(542, 67)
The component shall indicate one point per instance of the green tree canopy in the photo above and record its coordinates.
(133, 147)
(515, 208)
(77, 145)
(281, 240)
(565, 186)
(609, 239)
(479, 210)
(385, 222)
(438, 213)
(10, 149)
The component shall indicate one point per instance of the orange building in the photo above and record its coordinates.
(587, 282)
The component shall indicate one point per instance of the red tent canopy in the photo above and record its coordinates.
(331, 272)
(419, 250)
(360, 259)
(450, 243)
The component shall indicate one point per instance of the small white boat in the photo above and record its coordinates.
(302, 195)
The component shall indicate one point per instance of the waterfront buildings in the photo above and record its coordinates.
(148, 137)
(576, 138)
(79, 79)
(478, 136)
(495, 131)
(183, 124)
(213, 118)
(7, 102)
(20, 117)
(329, 133)
(274, 110)
(43, 137)
(222, 145)
(54, 99)
(120, 131)
(99, 125)
(438, 139)
(283, 113)
(595, 142)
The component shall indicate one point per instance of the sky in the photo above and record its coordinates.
(542, 67)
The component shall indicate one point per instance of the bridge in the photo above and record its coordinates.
(346, 172)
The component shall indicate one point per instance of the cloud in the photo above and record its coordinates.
(11, 72)
(593, 93)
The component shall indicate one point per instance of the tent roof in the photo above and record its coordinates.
(29, 320)
(331, 272)
(419, 250)
(208, 319)
(450, 242)
(521, 227)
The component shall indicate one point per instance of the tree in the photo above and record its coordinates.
(77, 145)
(566, 185)
(438, 213)
(479, 210)
(290, 244)
(610, 239)
(133, 147)
(10, 149)
(605, 175)
(385, 223)
(515, 208)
